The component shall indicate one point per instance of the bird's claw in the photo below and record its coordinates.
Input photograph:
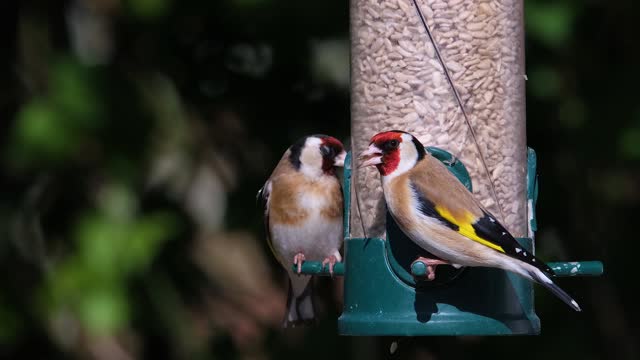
(431, 272)
(298, 259)
(331, 260)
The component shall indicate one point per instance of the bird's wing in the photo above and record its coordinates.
(458, 210)
(263, 198)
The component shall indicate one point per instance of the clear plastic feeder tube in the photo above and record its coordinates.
(398, 82)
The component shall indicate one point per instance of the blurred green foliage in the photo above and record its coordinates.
(113, 244)
(550, 22)
(52, 127)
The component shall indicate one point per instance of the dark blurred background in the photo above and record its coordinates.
(137, 132)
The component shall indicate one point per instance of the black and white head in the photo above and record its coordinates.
(317, 155)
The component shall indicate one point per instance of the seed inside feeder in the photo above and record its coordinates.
(398, 82)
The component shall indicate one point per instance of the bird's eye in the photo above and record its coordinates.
(392, 144)
(326, 151)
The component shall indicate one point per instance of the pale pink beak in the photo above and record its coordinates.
(371, 156)
(339, 160)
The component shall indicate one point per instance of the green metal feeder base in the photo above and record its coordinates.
(382, 297)
(380, 303)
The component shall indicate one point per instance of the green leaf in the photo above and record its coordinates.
(145, 239)
(104, 310)
(52, 129)
(550, 23)
(40, 133)
(99, 242)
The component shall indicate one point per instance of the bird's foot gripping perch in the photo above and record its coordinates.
(331, 260)
(298, 259)
(427, 266)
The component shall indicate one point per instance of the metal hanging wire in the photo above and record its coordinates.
(461, 105)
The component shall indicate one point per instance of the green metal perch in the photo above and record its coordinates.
(419, 269)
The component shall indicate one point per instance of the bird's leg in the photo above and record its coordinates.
(331, 260)
(298, 260)
(431, 266)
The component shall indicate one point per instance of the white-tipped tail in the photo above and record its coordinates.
(546, 281)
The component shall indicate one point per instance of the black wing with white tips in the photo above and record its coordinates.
(488, 228)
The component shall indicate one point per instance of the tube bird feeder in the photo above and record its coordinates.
(450, 72)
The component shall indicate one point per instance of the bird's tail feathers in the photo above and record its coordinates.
(544, 280)
(300, 306)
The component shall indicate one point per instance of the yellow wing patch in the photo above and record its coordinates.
(465, 227)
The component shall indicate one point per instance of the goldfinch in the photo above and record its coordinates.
(303, 215)
(440, 215)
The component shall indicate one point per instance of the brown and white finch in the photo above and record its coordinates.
(440, 215)
(303, 215)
